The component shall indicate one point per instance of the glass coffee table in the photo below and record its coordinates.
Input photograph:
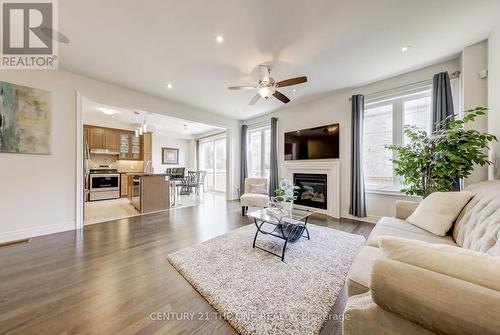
(289, 226)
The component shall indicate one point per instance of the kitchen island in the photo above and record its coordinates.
(149, 192)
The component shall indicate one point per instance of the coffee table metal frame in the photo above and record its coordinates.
(278, 231)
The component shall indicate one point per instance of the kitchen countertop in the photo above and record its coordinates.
(145, 174)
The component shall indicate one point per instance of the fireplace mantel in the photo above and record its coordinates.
(329, 167)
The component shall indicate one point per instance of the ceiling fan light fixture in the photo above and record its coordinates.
(266, 91)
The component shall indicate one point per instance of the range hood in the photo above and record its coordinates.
(104, 151)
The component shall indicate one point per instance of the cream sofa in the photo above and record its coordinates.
(391, 297)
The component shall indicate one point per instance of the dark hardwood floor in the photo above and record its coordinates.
(109, 278)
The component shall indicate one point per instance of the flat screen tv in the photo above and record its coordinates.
(313, 143)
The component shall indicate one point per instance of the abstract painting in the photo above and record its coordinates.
(170, 156)
(24, 119)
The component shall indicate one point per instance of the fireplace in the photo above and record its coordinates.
(313, 190)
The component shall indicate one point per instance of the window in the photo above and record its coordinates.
(377, 134)
(383, 125)
(259, 146)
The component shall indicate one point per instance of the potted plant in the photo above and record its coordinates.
(285, 194)
(434, 162)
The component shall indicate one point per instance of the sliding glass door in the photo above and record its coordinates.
(212, 159)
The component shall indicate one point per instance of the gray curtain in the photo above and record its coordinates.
(442, 106)
(357, 206)
(243, 162)
(273, 163)
(442, 102)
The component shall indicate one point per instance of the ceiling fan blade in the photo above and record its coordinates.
(280, 96)
(254, 99)
(242, 88)
(292, 81)
(264, 72)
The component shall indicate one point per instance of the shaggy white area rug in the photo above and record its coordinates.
(256, 292)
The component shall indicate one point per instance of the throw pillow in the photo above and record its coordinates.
(472, 266)
(439, 210)
(258, 188)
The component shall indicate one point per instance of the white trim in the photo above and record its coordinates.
(79, 164)
(332, 170)
(36, 231)
(370, 218)
(393, 192)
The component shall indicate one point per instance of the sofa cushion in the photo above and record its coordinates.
(454, 261)
(254, 200)
(358, 279)
(400, 228)
(439, 210)
(478, 226)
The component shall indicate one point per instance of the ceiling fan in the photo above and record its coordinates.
(267, 86)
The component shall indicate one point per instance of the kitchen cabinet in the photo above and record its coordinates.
(147, 152)
(121, 142)
(124, 145)
(112, 139)
(130, 146)
(102, 138)
(97, 138)
(124, 185)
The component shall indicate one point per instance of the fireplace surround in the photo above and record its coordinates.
(328, 167)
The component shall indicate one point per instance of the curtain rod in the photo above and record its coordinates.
(453, 75)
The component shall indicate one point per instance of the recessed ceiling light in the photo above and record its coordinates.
(219, 39)
(405, 48)
(107, 111)
(185, 131)
(169, 86)
(294, 90)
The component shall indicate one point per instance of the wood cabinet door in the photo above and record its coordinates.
(112, 139)
(97, 138)
(147, 144)
(86, 131)
(124, 185)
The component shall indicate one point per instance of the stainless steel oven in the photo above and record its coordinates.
(104, 186)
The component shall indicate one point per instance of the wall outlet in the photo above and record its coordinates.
(483, 74)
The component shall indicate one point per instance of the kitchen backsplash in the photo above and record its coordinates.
(129, 166)
(121, 165)
(99, 159)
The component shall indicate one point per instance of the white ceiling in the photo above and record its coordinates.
(127, 119)
(337, 44)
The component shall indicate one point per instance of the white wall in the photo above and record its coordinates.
(335, 107)
(185, 154)
(494, 98)
(38, 193)
(474, 59)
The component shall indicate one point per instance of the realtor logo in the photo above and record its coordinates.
(27, 34)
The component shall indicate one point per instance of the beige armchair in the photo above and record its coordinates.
(256, 194)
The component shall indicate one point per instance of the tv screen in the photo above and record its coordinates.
(314, 143)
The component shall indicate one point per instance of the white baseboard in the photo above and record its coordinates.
(370, 218)
(35, 231)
